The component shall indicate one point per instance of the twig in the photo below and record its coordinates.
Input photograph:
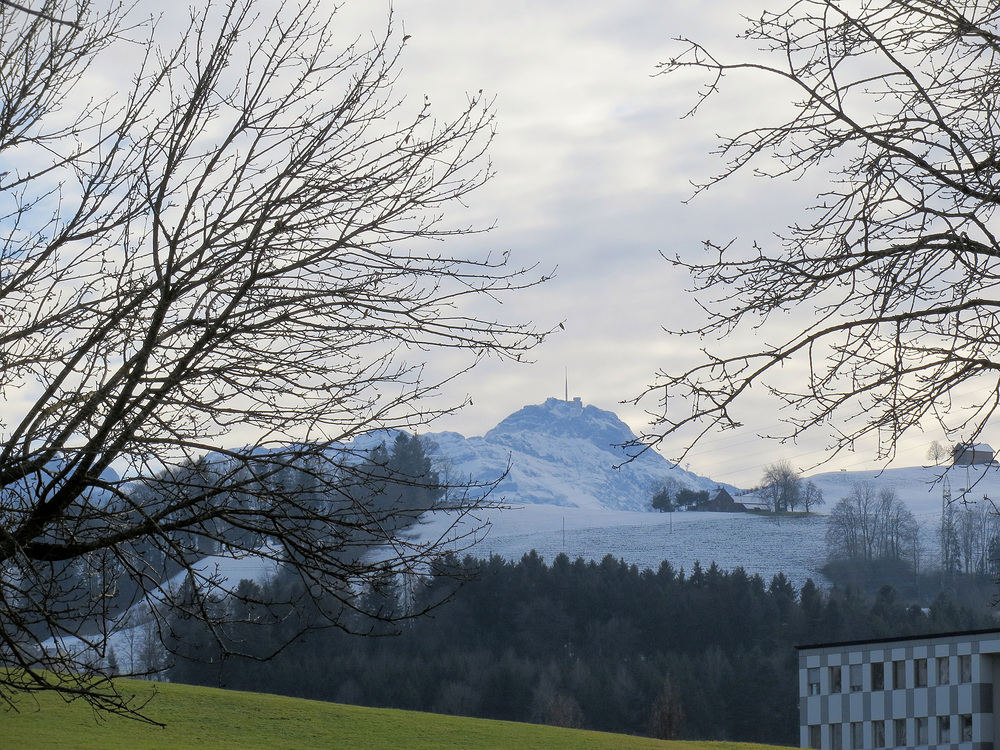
(40, 14)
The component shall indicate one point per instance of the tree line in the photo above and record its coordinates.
(599, 645)
(871, 525)
(380, 493)
(872, 536)
(782, 489)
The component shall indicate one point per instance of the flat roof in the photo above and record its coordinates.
(925, 636)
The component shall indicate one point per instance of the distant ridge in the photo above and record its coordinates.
(564, 453)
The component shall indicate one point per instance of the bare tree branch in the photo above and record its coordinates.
(41, 14)
(894, 277)
(215, 281)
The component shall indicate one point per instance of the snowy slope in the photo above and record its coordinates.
(919, 487)
(568, 495)
(566, 454)
(760, 544)
(560, 487)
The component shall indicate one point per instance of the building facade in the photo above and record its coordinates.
(915, 692)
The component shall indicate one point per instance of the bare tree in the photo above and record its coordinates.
(898, 530)
(892, 275)
(967, 530)
(213, 279)
(869, 526)
(811, 496)
(937, 452)
(666, 716)
(781, 486)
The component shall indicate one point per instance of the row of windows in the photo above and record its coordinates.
(946, 731)
(942, 672)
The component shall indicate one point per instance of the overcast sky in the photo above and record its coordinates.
(594, 165)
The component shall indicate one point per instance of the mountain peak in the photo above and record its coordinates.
(565, 453)
(557, 418)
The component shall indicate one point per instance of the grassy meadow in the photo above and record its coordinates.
(208, 719)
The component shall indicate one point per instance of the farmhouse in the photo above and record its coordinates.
(721, 501)
(921, 691)
(971, 454)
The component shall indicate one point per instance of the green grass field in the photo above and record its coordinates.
(207, 719)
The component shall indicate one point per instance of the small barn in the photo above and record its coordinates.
(722, 502)
(971, 454)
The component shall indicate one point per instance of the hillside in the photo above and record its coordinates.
(920, 487)
(760, 544)
(198, 718)
(565, 493)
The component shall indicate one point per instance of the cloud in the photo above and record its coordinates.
(593, 166)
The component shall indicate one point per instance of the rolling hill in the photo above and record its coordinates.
(196, 718)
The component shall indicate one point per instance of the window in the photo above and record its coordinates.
(834, 679)
(898, 675)
(814, 737)
(857, 735)
(943, 670)
(812, 679)
(855, 674)
(878, 734)
(920, 675)
(878, 676)
(899, 732)
(965, 728)
(965, 668)
(920, 727)
(944, 729)
(836, 737)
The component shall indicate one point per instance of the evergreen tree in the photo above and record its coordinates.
(113, 666)
(691, 499)
(603, 645)
(661, 501)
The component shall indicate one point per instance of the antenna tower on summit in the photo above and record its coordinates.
(567, 384)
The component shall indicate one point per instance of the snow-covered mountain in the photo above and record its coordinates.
(566, 454)
(567, 497)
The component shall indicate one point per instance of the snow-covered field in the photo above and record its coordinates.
(760, 544)
(794, 546)
(568, 497)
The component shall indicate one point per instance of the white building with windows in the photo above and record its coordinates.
(916, 692)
